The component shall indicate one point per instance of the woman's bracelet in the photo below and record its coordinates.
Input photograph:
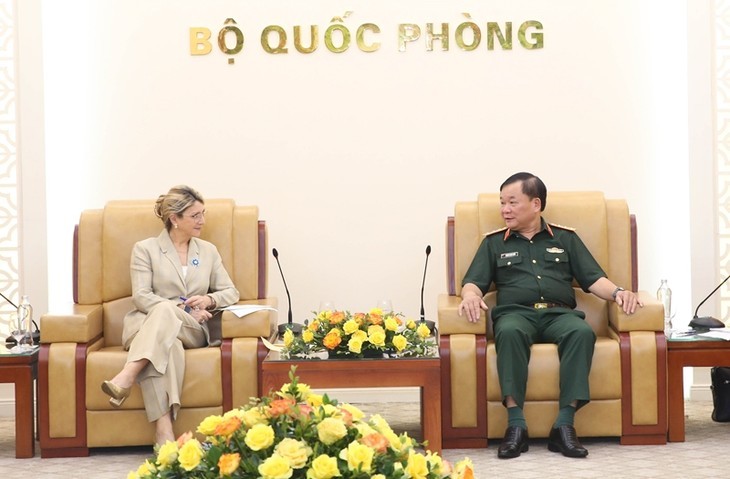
(212, 303)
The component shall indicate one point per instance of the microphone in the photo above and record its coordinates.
(295, 328)
(431, 324)
(6, 299)
(707, 322)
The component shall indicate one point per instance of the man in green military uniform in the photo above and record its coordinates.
(532, 265)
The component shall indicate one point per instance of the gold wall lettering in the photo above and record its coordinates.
(337, 37)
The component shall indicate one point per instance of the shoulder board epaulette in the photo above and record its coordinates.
(562, 227)
(498, 230)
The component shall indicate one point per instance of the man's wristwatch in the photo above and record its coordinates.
(616, 291)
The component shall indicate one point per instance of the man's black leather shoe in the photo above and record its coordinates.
(564, 439)
(514, 443)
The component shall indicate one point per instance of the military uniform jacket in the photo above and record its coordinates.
(530, 271)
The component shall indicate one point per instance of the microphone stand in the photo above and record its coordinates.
(707, 322)
(431, 324)
(295, 328)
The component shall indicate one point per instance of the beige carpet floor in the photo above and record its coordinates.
(703, 455)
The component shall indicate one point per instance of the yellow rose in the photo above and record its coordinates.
(423, 331)
(207, 427)
(296, 452)
(380, 424)
(376, 312)
(307, 336)
(228, 463)
(364, 428)
(331, 430)
(190, 454)
(144, 470)
(315, 400)
(377, 476)
(275, 467)
(167, 454)
(398, 443)
(417, 466)
(253, 416)
(323, 467)
(391, 324)
(288, 337)
(324, 316)
(329, 410)
(436, 463)
(360, 335)
(259, 437)
(358, 456)
(355, 345)
(237, 413)
(350, 326)
(410, 324)
(400, 342)
(376, 335)
(357, 414)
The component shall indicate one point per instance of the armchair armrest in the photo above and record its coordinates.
(647, 318)
(451, 323)
(253, 325)
(81, 323)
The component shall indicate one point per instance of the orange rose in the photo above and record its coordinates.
(346, 416)
(376, 441)
(376, 318)
(228, 463)
(337, 317)
(359, 317)
(280, 407)
(305, 410)
(184, 437)
(227, 427)
(332, 340)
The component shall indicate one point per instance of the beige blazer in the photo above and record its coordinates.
(157, 276)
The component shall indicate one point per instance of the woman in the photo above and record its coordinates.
(177, 279)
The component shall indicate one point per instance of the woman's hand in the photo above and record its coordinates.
(199, 302)
(199, 307)
(200, 315)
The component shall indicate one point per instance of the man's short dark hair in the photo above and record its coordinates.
(532, 186)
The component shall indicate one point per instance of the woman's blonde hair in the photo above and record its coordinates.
(177, 200)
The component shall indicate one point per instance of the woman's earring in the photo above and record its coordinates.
(175, 225)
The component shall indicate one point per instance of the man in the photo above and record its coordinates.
(532, 265)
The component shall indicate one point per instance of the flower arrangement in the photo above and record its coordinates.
(294, 433)
(355, 335)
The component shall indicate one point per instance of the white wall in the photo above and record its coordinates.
(356, 159)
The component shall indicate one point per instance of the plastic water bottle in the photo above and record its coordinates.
(25, 316)
(664, 294)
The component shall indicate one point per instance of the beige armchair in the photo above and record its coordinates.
(82, 346)
(628, 376)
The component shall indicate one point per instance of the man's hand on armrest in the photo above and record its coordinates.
(472, 302)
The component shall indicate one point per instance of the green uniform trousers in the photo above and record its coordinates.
(519, 327)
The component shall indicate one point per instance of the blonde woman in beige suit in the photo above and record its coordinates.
(177, 279)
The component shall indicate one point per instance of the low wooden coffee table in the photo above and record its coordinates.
(683, 352)
(424, 373)
(21, 370)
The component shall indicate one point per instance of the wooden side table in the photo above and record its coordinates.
(689, 352)
(21, 370)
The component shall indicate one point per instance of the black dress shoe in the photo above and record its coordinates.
(564, 439)
(514, 443)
